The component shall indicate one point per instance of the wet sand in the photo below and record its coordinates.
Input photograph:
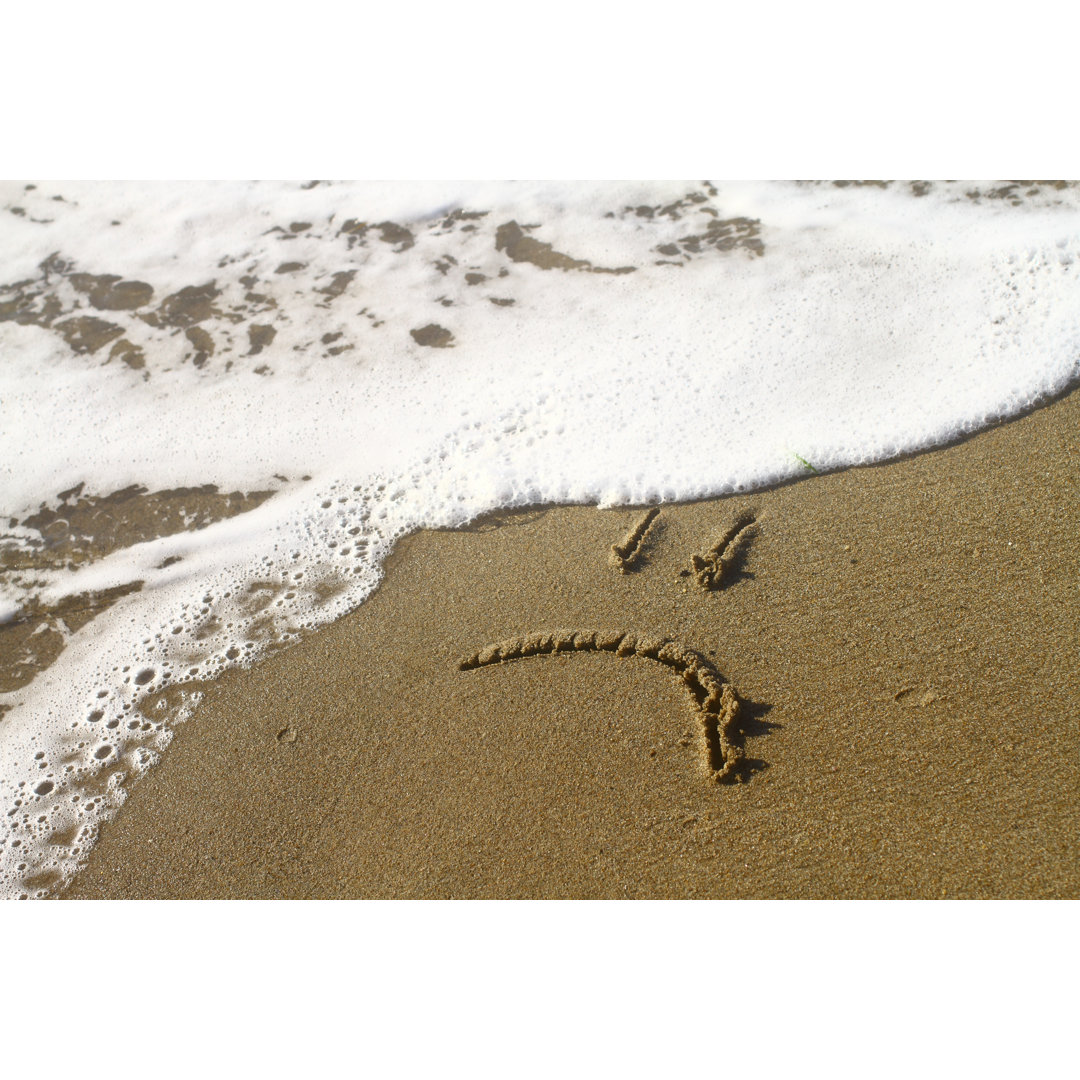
(76, 529)
(903, 639)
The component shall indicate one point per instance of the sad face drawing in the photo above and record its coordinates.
(715, 701)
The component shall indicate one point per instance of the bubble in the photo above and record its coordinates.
(44, 788)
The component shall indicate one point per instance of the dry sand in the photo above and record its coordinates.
(904, 639)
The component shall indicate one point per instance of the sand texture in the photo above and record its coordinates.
(902, 642)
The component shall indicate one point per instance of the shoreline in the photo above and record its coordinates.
(899, 636)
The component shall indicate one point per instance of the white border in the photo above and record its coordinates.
(647, 989)
(619, 989)
(119, 89)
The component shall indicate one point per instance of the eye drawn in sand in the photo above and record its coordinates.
(627, 554)
(715, 702)
(715, 567)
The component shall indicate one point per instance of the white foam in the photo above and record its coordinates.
(875, 323)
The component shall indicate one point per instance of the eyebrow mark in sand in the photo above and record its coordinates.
(714, 565)
(716, 703)
(625, 555)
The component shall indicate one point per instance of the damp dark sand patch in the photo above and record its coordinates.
(578, 776)
(513, 239)
(1008, 193)
(32, 641)
(203, 343)
(339, 282)
(107, 292)
(730, 234)
(706, 228)
(259, 337)
(186, 307)
(227, 319)
(389, 232)
(87, 333)
(76, 529)
(56, 298)
(224, 320)
(433, 336)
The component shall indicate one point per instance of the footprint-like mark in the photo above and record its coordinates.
(715, 701)
(711, 568)
(625, 555)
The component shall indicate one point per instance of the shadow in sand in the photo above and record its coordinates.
(752, 725)
(645, 553)
(500, 519)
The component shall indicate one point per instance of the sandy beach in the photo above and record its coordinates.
(902, 639)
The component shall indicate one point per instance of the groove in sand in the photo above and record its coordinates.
(714, 565)
(626, 554)
(716, 703)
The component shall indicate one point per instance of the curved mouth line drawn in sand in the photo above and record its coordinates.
(716, 702)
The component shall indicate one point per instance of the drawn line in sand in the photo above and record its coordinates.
(716, 703)
(625, 555)
(711, 568)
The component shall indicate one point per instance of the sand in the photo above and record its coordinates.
(76, 529)
(903, 640)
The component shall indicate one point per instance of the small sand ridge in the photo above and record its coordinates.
(711, 568)
(715, 701)
(625, 555)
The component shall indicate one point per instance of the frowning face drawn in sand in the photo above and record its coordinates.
(721, 714)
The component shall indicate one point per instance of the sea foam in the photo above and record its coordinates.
(389, 357)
